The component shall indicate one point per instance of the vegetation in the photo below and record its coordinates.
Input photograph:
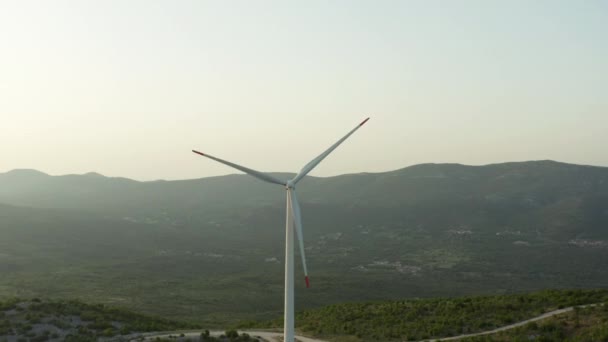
(41, 320)
(415, 320)
(210, 250)
(228, 336)
(44, 320)
(580, 325)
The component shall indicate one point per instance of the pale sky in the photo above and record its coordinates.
(128, 88)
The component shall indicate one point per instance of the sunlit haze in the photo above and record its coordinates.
(129, 88)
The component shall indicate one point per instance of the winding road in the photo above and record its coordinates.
(514, 325)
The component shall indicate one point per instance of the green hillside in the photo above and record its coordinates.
(404, 320)
(43, 320)
(559, 200)
(211, 250)
(413, 320)
(581, 325)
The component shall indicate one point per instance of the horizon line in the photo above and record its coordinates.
(97, 174)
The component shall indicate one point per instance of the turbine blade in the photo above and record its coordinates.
(257, 174)
(297, 217)
(311, 165)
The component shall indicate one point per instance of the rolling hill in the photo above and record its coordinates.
(211, 249)
(435, 318)
(581, 316)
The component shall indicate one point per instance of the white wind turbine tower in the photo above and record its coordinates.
(293, 216)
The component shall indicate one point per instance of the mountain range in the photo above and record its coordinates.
(211, 249)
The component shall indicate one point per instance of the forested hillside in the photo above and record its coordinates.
(414, 320)
(38, 320)
(403, 320)
(212, 249)
(580, 325)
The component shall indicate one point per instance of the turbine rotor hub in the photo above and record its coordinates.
(290, 185)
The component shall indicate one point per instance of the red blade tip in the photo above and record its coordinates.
(307, 281)
(364, 121)
(197, 152)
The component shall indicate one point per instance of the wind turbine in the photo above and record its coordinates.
(293, 215)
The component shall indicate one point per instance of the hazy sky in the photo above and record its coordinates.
(128, 88)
